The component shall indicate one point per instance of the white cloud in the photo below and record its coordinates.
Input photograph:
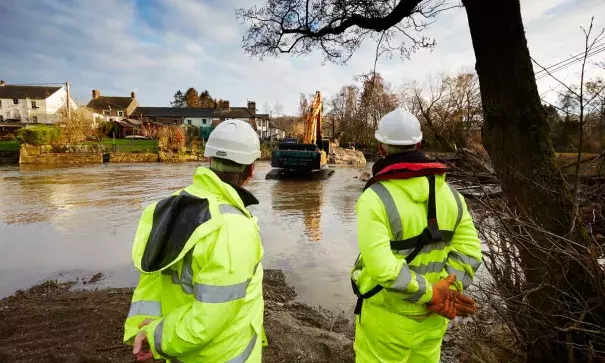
(113, 45)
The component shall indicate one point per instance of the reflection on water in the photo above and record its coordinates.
(300, 201)
(80, 220)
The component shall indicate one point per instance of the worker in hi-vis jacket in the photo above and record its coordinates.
(419, 251)
(199, 297)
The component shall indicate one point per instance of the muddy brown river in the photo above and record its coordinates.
(70, 222)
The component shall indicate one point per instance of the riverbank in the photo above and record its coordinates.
(51, 323)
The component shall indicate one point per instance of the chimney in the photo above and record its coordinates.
(133, 95)
(2, 83)
(96, 93)
(252, 106)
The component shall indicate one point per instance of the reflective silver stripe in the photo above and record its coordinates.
(174, 276)
(220, 294)
(145, 307)
(428, 268)
(391, 208)
(404, 252)
(209, 293)
(402, 281)
(229, 209)
(187, 273)
(438, 246)
(467, 260)
(243, 357)
(157, 337)
(459, 204)
(421, 289)
(460, 275)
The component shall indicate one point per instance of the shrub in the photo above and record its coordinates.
(171, 138)
(266, 148)
(39, 135)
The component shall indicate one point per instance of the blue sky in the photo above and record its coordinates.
(155, 47)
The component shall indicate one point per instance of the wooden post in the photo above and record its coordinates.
(68, 103)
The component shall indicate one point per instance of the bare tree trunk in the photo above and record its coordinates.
(516, 136)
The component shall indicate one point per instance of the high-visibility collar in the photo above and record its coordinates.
(405, 166)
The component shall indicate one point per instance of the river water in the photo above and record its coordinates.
(69, 222)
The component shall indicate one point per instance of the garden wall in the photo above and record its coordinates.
(133, 157)
(61, 158)
(169, 157)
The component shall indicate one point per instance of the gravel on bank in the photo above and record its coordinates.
(51, 323)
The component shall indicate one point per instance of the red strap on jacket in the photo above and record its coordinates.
(407, 171)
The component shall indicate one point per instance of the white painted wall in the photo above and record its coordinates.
(46, 111)
(198, 121)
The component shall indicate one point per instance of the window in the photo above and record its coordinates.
(35, 119)
(1, 118)
(203, 121)
(0, 103)
(15, 101)
(189, 122)
(120, 113)
(106, 113)
(34, 106)
(175, 122)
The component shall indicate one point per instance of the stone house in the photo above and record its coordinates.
(112, 107)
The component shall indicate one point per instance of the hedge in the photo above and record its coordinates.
(39, 135)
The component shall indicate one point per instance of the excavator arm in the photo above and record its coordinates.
(313, 121)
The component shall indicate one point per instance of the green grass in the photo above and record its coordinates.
(9, 146)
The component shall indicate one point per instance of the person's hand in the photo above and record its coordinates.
(141, 355)
(449, 303)
(465, 306)
(446, 308)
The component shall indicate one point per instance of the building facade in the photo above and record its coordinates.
(33, 104)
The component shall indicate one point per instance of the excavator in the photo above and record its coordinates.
(306, 159)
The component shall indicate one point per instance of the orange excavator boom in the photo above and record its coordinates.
(313, 121)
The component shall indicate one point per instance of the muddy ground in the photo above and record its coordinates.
(49, 323)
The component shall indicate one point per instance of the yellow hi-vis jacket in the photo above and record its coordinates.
(199, 254)
(396, 210)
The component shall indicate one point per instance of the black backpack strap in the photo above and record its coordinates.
(430, 234)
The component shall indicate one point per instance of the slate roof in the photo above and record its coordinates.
(110, 103)
(174, 112)
(233, 112)
(22, 92)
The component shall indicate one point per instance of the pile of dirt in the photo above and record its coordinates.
(346, 156)
(50, 323)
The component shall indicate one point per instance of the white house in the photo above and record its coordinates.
(32, 104)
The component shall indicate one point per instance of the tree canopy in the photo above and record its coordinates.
(338, 28)
(191, 98)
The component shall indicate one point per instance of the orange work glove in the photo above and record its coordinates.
(449, 303)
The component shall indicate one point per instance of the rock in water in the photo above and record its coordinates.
(346, 157)
(365, 176)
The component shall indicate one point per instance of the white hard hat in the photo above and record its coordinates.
(234, 140)
(399, 127)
